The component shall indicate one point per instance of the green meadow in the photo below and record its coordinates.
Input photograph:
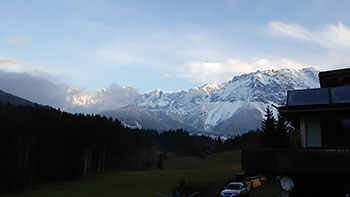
(216, 168)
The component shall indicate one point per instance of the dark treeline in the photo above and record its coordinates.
(44, 144)
(251, 139)
(182, 143)
(274, 133)
(41, 144)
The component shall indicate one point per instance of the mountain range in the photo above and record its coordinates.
(229, 108)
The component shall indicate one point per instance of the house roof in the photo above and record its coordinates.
(334, 78)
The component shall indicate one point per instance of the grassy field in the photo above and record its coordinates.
(214, 171)
(215, 168)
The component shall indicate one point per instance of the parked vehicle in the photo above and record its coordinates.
(235, 189)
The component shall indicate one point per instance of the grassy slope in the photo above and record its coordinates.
(218, 167)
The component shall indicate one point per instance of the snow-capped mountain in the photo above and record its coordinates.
(229, 108)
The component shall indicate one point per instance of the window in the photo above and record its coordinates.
(313, 133)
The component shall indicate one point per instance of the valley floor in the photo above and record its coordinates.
(215, 170)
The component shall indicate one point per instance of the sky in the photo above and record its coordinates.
(163, 44)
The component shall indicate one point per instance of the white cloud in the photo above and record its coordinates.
(13, 65)
(334, 36)
(19, 41)
(217, 72)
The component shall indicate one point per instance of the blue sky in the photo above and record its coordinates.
(169, 45)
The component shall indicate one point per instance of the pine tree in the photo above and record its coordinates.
(282, 132)
(274, 132)
(269, 132)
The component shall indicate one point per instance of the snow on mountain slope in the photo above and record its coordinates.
(229, 108)
(136, 117)
(233, 107)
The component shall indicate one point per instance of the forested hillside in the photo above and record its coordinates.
(42, 144)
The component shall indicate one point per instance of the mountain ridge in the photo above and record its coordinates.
(229, 108)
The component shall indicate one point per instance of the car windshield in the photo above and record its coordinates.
(233, 186)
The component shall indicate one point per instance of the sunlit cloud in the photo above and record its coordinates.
(28, 82)
(19, 41)
(335, 36)
(112, 97)
(217, 72)
(46, 91)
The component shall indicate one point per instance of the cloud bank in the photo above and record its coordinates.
(37, 86)
(42, 90)
(34, 88)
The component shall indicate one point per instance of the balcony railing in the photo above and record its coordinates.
(319, 96)
(313, 161)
